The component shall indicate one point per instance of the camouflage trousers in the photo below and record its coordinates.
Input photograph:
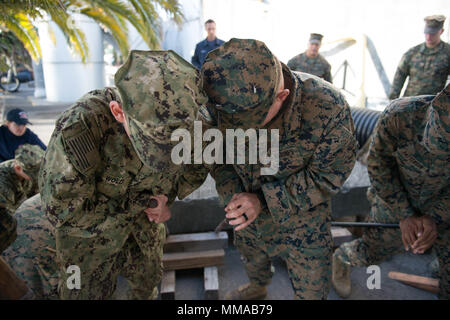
(33, 257)
(379, 244)
(309, 266)
(7, 229)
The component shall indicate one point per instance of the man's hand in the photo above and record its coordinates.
(428, 236)
(243, 209)
(412, 229)
(161, 213)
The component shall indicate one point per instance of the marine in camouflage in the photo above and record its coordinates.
(426, 68)
(317, 152)
(96, 181)
(410, 175)
(14, 189)
(317, 66)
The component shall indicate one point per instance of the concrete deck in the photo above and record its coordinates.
(189, 283)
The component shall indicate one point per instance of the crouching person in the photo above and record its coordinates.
(18, 182)
(409, 171)
(107, 161)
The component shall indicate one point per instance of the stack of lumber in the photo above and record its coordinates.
(192, 251)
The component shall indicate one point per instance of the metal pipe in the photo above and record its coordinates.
(365, 121)
(365, 224)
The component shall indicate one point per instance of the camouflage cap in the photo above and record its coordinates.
(241, 78)
(434, 23)
(436, 134)
(160, 93)
(29, 157)
(315, 38)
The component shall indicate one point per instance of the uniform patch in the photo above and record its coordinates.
(81, 147)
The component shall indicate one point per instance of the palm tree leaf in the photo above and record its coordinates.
(109, 22)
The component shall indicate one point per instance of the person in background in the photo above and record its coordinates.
(15, 133)
(311, 61)
(203, 47)
(427, 65)
(18, 182)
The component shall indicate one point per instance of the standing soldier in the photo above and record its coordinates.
(311, 61)
(18, 182)
(427, 65)
(409, 169)
(287, 214)
(108, 158)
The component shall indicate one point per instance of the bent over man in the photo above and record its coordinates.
(409, 170)
(287, 213)
(107, 160)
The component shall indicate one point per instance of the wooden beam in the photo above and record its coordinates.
(190, 242)
(424, 283)
(211, 283)
(168, 285)
(340, 235)
(192, 260)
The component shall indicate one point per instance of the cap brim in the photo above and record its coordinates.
(431, 30)
(315, 41)
(152, 153)
(24, 122)
(251, 118)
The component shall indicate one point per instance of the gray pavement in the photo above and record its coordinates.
(189, 283)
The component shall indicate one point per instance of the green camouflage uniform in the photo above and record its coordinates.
(317, 66)
(426, 68)
(14, 189)
(316, 154)
(32, 255)
(96, 181)
(410, 174)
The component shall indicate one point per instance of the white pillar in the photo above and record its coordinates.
(184, 38)
(66, 77)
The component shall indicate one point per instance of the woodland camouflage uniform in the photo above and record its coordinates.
(409, 171)
(427, 69)
(316, 155)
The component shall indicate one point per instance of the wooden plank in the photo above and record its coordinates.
(190, 242)
(192, 260)
(424, 283)
(211, 283)
(168, 285)
(340, 235)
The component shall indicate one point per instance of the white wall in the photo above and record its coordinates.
(182, 39)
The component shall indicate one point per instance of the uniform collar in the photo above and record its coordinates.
(425, 50)
(214, 41)
(112, 94)
(287, 110)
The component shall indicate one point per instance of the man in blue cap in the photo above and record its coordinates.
(15, 133)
